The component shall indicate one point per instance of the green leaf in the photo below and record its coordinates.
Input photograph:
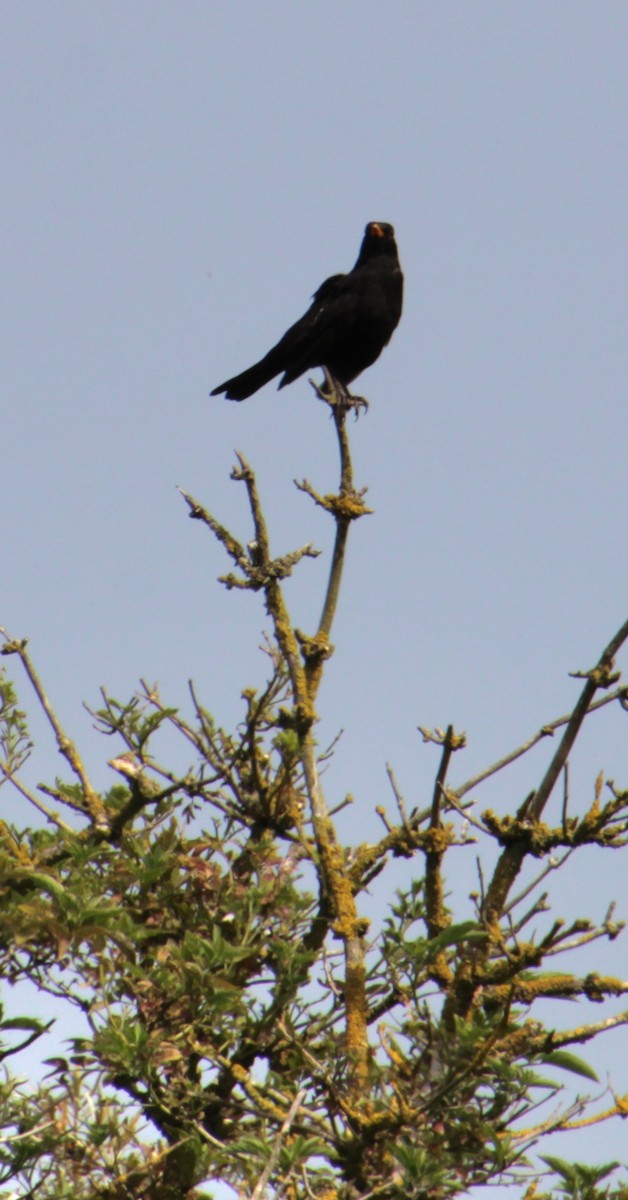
(561, 1167)
(29, 1023)
(466, 931)
(570, 1062)
(579, 1177)
(37, 879)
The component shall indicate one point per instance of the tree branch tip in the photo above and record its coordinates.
(231, 581)
(381, 812)
(196, 509)
(306, 486)
(243, 472)
(444, 737)
(15, 646)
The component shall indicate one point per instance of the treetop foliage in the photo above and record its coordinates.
(237, 1018)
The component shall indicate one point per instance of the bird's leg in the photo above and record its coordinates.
(337, 395)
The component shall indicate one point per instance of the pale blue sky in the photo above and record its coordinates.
(177, 180)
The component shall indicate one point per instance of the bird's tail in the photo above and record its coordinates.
(242, 386)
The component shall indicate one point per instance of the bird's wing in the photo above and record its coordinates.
(307, 342)
(331, 288)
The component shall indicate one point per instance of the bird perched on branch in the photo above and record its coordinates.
(351, 319)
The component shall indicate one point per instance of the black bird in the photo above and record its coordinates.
(351, 319)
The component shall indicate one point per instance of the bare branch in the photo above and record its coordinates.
(548, 730)
(600, 676)
(234, 548)
(511, 858)
(398, 797)
(28, 795)
(584, 1033)
(260, 1186)
(92, 803)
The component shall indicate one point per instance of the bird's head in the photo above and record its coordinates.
(379, 229)
(379, 238)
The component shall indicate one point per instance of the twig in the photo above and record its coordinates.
(481, 881)
(383, 816)
(448, 747)
(342, 523)
(260, 1186)
(554, 1124)
(574, 943)
(92, 802)
(346, 803)
(398, 797)
(234, 548)
(46, 812)
(548, 730)
(551, 866)
(569, 1037)
(600, 677)
(451, 798)
(565, 798)
(512, 856)
(539, 906)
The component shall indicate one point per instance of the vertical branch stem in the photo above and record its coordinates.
(339, 414)
(436, 919)
(305, 667)
(336, 881)
(335, 577)
(346, 506)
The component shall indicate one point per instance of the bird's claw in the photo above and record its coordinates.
(356, 403)
(338, 396)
